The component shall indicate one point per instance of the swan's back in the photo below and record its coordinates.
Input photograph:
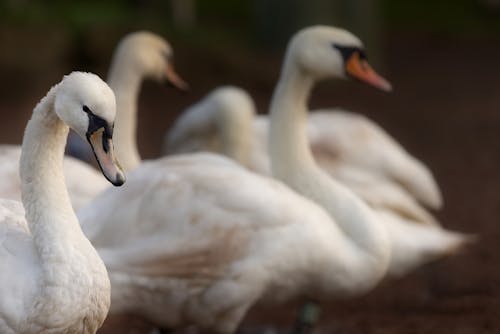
(10, 187)
(342, 140)
(194, 131)
(223, 116)
(19, 266)
(196, 184)
(210, 236)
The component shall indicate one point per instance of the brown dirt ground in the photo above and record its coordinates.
(444, 109)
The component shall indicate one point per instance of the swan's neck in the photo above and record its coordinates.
(293, 163)
(236, 129)
(66, 256)
(45, 198)
(125, 83)
(288, 141)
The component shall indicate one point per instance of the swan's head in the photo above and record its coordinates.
(231, 105)
(87, 105)
(326, 52)
(149, 56)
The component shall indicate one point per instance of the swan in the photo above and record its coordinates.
(51, 278)
(224, 121)
(201, 238)
(350, 147)
(138, 56)
(308, 60)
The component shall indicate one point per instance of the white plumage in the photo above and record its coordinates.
(75, 171)
(51, 278)
(197, 239)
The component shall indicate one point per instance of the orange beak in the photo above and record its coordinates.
(174, 79)
(360, 69)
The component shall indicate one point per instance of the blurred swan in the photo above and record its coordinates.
(359, 154)
(51, 278)
(139, 56)
(198, 239)
(309, 60)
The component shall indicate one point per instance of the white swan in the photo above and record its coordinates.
(224, 122)
(291, 157)
(201, 239)
(138, 56)
(51, 278)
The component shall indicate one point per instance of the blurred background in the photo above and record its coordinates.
(440, 55)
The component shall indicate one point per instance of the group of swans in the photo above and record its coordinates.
(197, 238)
(202, 239)
(350, 147)
(52, 280)
(242, 223)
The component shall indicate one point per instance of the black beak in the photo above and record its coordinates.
(99, 136)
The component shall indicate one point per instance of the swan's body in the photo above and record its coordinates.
(364, 152)
(51, 278)
(201, 239)
(75, 171)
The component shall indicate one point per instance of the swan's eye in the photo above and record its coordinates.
(362, 54)
(348, 51)
(96, 123)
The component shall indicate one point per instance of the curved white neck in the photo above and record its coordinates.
(125, 83)
(50, 216)
(73, 282)
(236, 132)
(293, 163)
(288, 141)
